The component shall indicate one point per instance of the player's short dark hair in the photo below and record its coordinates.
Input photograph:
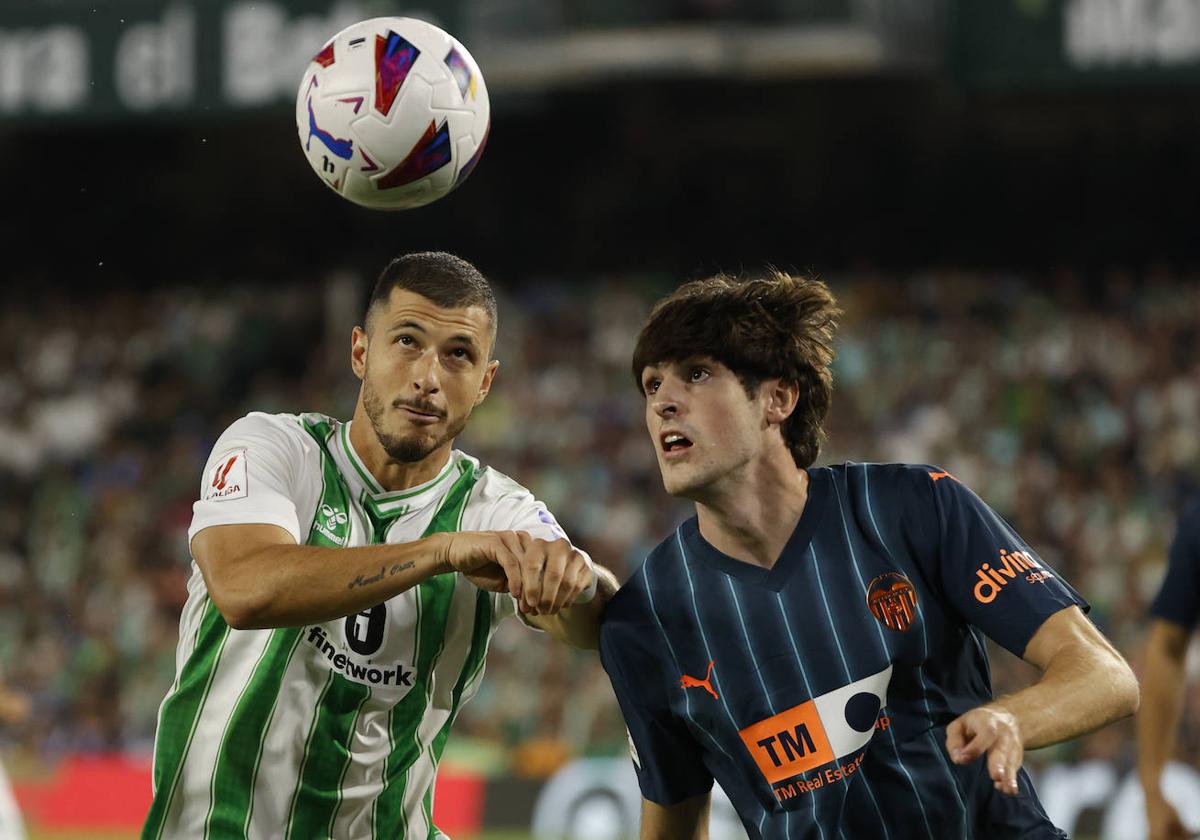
(777, 326)
(446, 280)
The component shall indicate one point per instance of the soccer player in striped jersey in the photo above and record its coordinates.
(347, 579)
(811, 639)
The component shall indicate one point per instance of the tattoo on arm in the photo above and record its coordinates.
(384, 572)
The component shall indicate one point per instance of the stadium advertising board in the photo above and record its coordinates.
(111, 59)
(1076, 42)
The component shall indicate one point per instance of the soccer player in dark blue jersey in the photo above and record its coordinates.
(812, 638)
(1175, 612)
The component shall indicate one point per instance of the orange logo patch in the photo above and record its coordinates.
(789, 743)
(893, 600)
(1012, 564)
(695, 682)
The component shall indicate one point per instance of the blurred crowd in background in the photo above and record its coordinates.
(1069, 402)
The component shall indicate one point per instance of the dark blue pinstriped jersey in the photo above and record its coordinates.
(1178, 598)
(817, 692)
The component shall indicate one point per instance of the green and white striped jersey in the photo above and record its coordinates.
(333, 729)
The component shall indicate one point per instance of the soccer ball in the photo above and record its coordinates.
(392, 113)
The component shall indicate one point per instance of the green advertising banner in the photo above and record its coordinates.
(114, 59)
(1070, 42)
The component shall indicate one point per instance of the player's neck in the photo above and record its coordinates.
(395, 475)
(751, 516)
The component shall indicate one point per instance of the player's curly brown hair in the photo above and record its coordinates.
(777, 326)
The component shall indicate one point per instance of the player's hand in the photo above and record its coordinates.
(992, 730)
(553, 575)
(1164, 821)
(489, 559)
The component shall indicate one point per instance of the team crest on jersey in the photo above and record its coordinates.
(228, 478)
(821, 741)
(893, 600)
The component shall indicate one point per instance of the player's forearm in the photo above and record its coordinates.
(686, 820)
(1162, 705)
(290, 585)
(1082, 689)
(579, 625)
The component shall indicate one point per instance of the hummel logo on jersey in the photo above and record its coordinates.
(819, 732)
(331, 522)
(228, 480)
(693, 682)
(1011, 564)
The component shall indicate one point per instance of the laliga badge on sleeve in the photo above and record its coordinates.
(227, 480)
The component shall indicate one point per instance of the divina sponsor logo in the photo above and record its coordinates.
(1010, 566)
(359, 673)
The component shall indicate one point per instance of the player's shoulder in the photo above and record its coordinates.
(499, 502)
(285, 428)
(287, 436)
(653, 584)
(1189, 518)
(495, 497)
(491, 485)
(882, 477)
(1188, 530)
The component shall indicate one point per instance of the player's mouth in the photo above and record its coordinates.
(674, 444)
(420, 416)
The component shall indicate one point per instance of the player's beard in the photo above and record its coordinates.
(415, 446)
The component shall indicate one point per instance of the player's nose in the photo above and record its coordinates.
(666, 401)
(425, 374)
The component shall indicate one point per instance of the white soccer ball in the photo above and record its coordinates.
(392, 113)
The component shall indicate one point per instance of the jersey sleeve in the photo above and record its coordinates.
(669, 764)
(1178, 599)
(990, 576)
(251, 477)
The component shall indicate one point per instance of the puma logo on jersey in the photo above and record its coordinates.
(228, 477)
(693, 682)
(936, 475)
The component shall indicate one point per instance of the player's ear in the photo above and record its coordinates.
(781, 398)
(358, 351)
(486, 385)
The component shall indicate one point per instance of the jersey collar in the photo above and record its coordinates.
(384, 503)
(791, 558)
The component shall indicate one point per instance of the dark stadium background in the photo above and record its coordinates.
(1005, 200)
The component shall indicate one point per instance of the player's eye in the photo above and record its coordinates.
(405, 339)
(651, 386)
(698, 375)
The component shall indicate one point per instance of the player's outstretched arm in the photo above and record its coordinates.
(686, 820)
(1158, 721)
(257, 576)
(561, 591)
(1085, 684)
